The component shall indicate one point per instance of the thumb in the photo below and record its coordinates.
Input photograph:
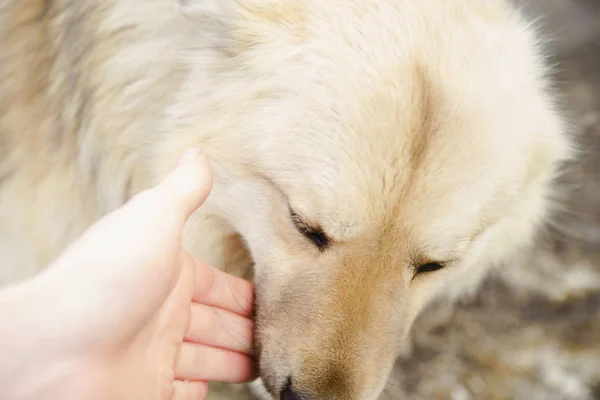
(190, 183)
(135, 224)
(128, 249)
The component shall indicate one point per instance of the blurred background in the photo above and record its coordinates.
(533, 332)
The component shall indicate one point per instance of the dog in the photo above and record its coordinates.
(368, 157)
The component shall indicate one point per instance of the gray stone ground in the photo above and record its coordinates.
(533, 332)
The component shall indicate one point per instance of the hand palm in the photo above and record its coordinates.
(141, 317)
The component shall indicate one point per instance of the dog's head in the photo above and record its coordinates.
(371, 155)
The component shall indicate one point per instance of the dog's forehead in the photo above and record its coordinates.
(374, 188)
(416, 159)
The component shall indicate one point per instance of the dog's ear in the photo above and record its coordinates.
(214, 22)
(206, 9)
(241, 24)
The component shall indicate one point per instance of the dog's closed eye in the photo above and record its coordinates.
(314, 234)
(429, 267)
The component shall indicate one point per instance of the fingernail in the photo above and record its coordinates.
(189, 156)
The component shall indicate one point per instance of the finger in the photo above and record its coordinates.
(189, 183)
(192, 390)
(203, 363)
(174, 200)
(216, 288)
(219, 328)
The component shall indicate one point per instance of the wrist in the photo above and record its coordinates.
(53, 380)
(32, 365)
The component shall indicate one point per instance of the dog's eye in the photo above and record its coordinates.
(429, 267)
(318, 238)
(315, 235)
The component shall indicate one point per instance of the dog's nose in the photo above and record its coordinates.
(288, 393)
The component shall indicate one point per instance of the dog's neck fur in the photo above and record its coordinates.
(108, 77)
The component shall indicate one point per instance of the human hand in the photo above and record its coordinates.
(126, 313)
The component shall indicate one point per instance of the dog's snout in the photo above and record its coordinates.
(288, 393)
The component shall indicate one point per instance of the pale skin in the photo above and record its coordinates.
(125, 312)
